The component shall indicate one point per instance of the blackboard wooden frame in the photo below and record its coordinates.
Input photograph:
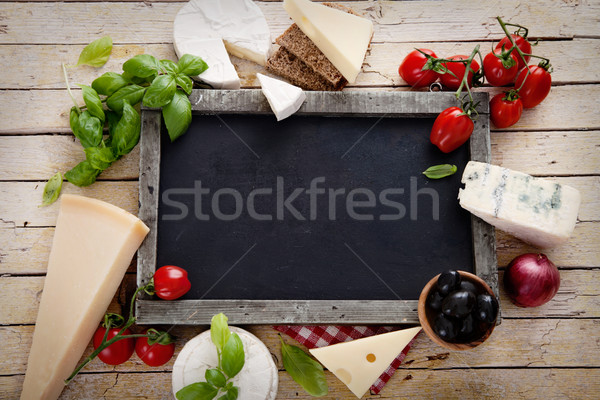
(346, 103)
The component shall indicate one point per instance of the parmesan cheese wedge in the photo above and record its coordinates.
(360, 362)
(258, 380)
(93, 245)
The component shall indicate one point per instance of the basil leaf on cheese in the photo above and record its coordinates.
(219, 331)
(307, 372)
(96, 54)
(161, 91)
(52, 189)
(197, 391)
(233, 356)
(177, 115)
(142, 66)
(232, 394)
(215, 377)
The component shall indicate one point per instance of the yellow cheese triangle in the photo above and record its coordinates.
(93, 245)
(360, 362)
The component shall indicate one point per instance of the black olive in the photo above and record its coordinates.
(458, 304)
(445, 328)
(434, 300)
(448, 281)
(469, 287)
(487, 308)
(468, 328)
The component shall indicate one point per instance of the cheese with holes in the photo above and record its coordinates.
(343, 38)
(360, 362)
(205, 28)
(535, 210)
(93, 245)
(258, 379)
(284, 99)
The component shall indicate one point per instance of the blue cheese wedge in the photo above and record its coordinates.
(284, 99)
(535, 210)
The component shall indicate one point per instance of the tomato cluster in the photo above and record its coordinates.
(505, 65)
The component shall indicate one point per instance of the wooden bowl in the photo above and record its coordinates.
(426, 314)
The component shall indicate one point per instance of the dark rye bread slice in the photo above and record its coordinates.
(290, 67)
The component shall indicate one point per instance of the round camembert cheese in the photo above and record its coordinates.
(258, 380)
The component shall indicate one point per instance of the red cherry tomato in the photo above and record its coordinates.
(451, 129)
(536, 87)
(171, 282)
(496, 73)
(521, 43)
(154, 355)
(458, 69)
(118, 352)
(411, 69)
(504, 112)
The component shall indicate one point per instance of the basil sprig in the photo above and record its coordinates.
(52, 189)
(230, 351)
(158, 84)
(307, 372)
(440, 171)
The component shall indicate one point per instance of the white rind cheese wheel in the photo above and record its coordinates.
(258, 380)
(209, 29)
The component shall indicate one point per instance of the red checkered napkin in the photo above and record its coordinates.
(325, 335)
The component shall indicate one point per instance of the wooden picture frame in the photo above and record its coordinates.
(347, 103)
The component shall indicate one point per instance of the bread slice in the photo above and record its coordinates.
(301, 62)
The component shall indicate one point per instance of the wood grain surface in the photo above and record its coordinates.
(552, 351)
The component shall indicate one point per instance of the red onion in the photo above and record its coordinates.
(531, 280)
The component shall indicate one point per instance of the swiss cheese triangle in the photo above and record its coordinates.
(360, 362)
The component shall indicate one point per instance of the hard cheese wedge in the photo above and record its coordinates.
(342, 37)
(360, 362)
(535, 210)
(284, 99)
(93, 245)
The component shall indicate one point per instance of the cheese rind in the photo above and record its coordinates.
(535, 210)
(93, 245)
(343, 38)
(284, 99)
(258, 379)
(360, 362)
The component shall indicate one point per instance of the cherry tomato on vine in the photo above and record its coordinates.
(411, 69)
(495, 70)
(118, 352)
(171, 282)
(505, 112)
(155, 354)
(522, 43)
(536, 86)
(458, 69)
(451, 129)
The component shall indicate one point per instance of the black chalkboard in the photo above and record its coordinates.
(324, 217)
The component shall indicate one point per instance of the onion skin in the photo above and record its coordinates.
(531, 280)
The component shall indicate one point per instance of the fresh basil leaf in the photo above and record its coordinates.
(100, 157)
(440, 171)
(169, 66)
(132, 93)
(112, 119)
(108, 83)
(228, 386)
(92, 102)
(96, 54)
(219, 331)
(127, 132)
(52, 189)
(177, 115)
(89, 130)
(233, 356)
(215, 377)
(142, 66)
(83, 174)
(232, 394)
(197, 391)
(136, 80)
(161, 91)
(185, 82)
(191, 65)
(304, 370)
(74, 119)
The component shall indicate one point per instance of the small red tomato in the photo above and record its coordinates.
(521, 43)
(495, 71)
(451, 129)
(536, 86)
(171, 282)
(155, 354)
(458, 69)
(118, 352)
(505, 112)
(411, 69)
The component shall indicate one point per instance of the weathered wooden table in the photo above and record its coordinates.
(549, 352)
